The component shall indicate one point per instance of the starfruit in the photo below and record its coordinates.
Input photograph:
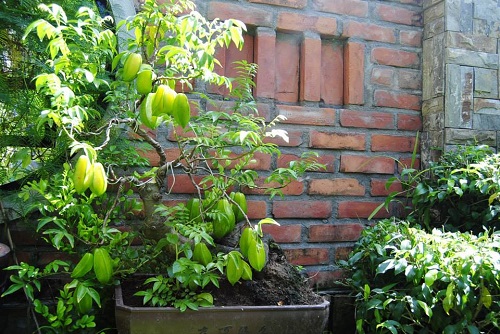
(247, 236)
(234, 268)
(193, 206)
(247, 271)
(82, 176)
(83, 266)
(131, 66)
(103, 265)
(202, 254)
(144, 81)
(257, 254)
(241, 209)
(181, 110)
(226, 221)
(100, 180)
(82, 299)
(146, 113)
(163, 101)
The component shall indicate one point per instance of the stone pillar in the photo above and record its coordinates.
(461, 102)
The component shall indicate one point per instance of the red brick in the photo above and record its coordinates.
(332, 73)
(294, 188)
(326, 279)
(409, 122)
(263, 109)
(383, 76)
(395, 57)
(384, 98)
(325, 159)
(310, 69)
(369, 31)
(287, 68)
(364, 164)
(181, 184)
(284, 3)
(252, 16)
(264, 53)
(288, 21)
(411, 38)
(342, 253)
(354, 65)
(336, 187)
(302, 209)
(366, 119)
(400, 15)
(378, 187)
(151, 156)
(260, 161)
(227, 57)
(257, 209)
(348, 7)
(407, 163)
(294, 139)
(391, 143)
(307, 256)
(409, 79)
(284, 233)
(340, 141)
(306, 115)
(358, 209)
(335, 232)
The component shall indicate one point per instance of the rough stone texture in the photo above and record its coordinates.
(459, 96)
(460, 38)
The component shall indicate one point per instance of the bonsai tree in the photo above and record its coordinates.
(106, 106)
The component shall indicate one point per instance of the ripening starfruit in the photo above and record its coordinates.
(131, 66)
(100, 180)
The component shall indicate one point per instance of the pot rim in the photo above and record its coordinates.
(285, 308)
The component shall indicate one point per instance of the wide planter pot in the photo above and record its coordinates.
(287, 319)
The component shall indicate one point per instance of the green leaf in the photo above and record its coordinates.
(385, 266)
(430, 277)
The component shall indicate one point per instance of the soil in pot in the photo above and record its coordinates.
(279, 283)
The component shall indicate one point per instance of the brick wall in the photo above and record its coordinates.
(347, 75)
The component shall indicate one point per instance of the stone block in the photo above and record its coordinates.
(470, 42)
(434, 12)
(433, 114)
(432, 145)
(434, 28)
(486, 121)
(469, 136)
(459, 96)
(485, 83)
(429, 3)
(459, 15)
(487, 106)
(471, 58)
(433, 69)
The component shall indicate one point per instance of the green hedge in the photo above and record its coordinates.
(408, 280)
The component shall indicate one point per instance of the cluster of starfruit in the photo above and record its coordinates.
(252, 252)
(160, 101)
(91, 175)
(102, 264)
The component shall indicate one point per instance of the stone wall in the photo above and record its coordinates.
(461, 102)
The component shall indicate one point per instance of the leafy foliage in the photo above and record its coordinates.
(459, 192)
(97, 108)
(411, 281)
